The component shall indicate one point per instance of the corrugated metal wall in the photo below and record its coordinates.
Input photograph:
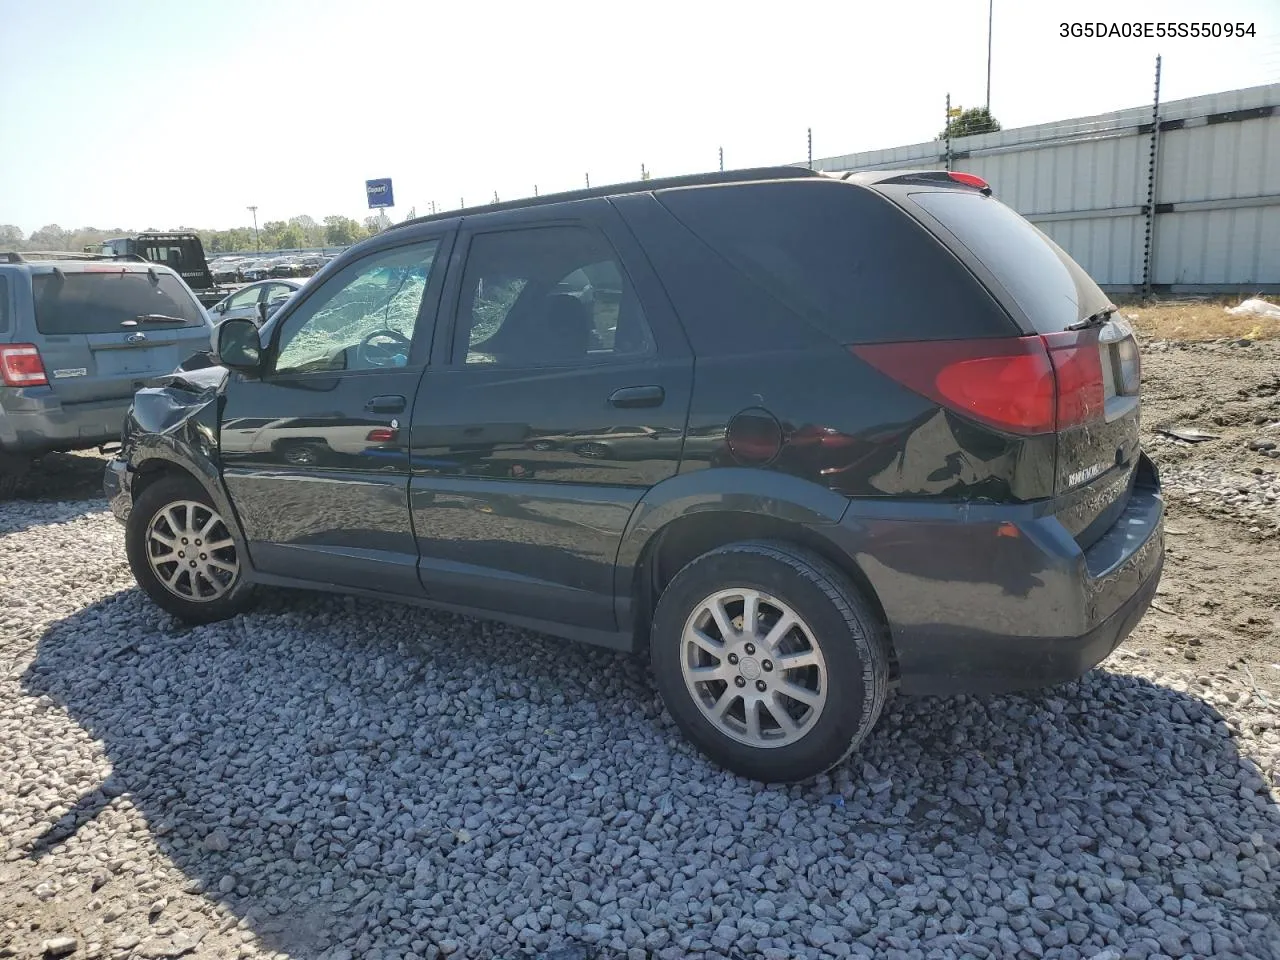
(1216, 225)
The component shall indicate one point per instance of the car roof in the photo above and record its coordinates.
(49, 261)
(617, 189)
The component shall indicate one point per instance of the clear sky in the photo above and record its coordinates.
(155, 113)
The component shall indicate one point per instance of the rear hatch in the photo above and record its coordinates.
(105, 330)
(1092, 350)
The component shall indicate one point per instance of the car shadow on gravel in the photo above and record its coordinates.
(359, 779)
(72, 479)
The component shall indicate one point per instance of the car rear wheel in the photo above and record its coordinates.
(300, 454)
(769, 660)
(183, 553)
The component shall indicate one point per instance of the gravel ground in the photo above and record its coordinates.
(333, 778)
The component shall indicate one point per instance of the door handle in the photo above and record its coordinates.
(650, 396)
(387, 404)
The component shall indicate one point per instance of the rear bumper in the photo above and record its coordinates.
(35, 421)
(989, 598)
(971, 662)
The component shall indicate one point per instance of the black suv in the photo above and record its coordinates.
(879, 431)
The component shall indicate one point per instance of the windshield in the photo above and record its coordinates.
(1051, 288)
(100, 302)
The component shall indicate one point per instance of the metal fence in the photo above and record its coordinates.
(1180, 197)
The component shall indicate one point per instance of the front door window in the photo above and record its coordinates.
(363, 318)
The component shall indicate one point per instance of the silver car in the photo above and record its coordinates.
(78, 335)
(245, 302)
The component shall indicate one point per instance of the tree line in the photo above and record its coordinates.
(291, 234)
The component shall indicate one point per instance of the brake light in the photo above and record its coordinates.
(1078, 365)
(381, 435)
(21, 366)
(1023, 385)
(969, 180)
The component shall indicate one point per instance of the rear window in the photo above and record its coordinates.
(74, 302)
(849, 261)
(1049, 287)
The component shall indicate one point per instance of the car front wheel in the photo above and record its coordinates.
(769, 660)
(183, 553)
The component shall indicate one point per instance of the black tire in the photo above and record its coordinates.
(851, 639)
(13, 470)
(153, 501)
(299, 454)
(594, 451)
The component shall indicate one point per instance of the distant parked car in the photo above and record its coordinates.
(254, 270)
(225, 271)
(287, 268)
(244, 302)
(78, 335)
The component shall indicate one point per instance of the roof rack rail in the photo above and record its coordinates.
(613, 189)
(28, 255)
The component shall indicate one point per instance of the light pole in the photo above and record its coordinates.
(256, 242)
(990, 12)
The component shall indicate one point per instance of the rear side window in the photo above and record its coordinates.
(4, 303)
(854, 265)
(548, 295)
(1048, 286)
(100, 302)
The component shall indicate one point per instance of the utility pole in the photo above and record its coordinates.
(256, 242)
(588, 176)
(722, 159)
(947, 130)
(535, 189)
(811, 148)
(1148, 250)
(990, 12)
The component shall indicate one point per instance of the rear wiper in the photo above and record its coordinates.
(1096, 320)
(152, 318)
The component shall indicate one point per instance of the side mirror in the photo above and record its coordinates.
(237, 345)
(221, 307)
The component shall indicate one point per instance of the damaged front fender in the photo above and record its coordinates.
(173, 425)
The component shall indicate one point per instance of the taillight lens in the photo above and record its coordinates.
(20, 366)
(1129, 362)
(1078, 364)
(1023, 385)
(381, 435)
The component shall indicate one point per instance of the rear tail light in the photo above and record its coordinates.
(21, 366)
(1024, 385)
(1078, 365)
(381, 435)
(1129, 362)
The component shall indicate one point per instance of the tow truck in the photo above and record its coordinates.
(182, 252)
